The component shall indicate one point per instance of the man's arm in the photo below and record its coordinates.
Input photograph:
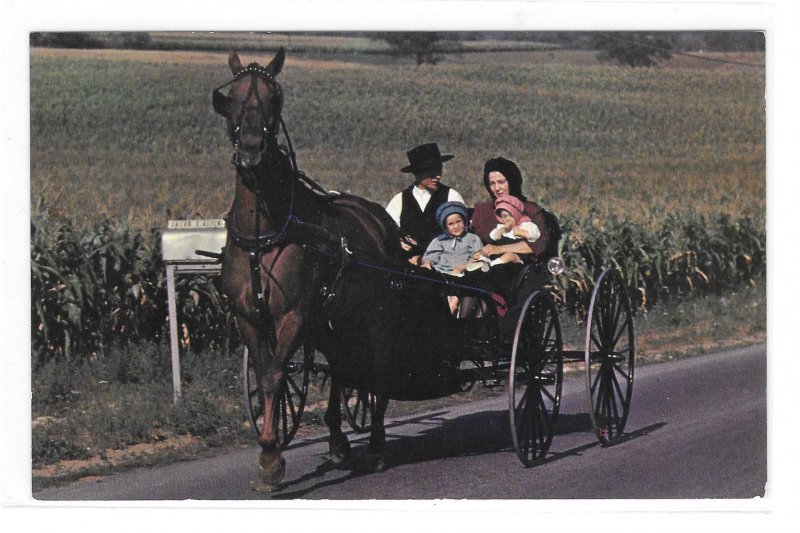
(395, 207)
(454, 196)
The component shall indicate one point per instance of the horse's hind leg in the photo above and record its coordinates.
(376, 460)
(381, 382)
(338, 444)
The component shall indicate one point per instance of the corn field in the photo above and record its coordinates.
(105, 285)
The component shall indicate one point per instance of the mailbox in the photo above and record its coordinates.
(182, 238)
(180, 242)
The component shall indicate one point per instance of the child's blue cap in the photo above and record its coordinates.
(447, 209)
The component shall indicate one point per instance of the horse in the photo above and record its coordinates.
(289, 269)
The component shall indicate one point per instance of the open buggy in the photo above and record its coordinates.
(438, 354)
(303, 267)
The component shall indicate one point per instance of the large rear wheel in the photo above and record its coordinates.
(291, 400)
(609, 356)
(535, 378)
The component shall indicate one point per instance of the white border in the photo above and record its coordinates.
(778, 18)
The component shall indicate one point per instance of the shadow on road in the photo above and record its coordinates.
(472, 434)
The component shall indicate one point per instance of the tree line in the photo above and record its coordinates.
(634, 49)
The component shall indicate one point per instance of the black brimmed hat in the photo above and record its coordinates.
(425, 157)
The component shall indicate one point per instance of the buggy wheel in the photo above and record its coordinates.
(291, 399)
(609, 357)
(470, 370)
(359, 407)
(535, 378)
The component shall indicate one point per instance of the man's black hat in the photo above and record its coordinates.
(425, 157)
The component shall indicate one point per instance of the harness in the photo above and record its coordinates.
(273, 157)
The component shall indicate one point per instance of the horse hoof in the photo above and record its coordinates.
(375, 462)
(339, 448)
(269, 477)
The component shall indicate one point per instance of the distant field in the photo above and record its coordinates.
(327, 44)
(131, 135)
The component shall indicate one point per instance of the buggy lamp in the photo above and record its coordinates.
(555, 265)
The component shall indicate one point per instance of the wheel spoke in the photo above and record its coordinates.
(617, 388)
(621, 330)
(292, 386)
(546, 337)
(550, 396)
(621, 372)
(596, 341)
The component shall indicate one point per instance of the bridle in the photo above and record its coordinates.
(273, 157)
(270, 131)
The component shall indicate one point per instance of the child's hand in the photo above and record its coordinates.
(519, 232)
(486, 251)
(426, 263)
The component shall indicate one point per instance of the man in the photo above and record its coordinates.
(414, 209)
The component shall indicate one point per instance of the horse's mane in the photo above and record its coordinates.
(364, 219)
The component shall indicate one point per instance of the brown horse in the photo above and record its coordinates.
(288, 268)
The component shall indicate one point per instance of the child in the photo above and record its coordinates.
(450, 252)
(513, 226)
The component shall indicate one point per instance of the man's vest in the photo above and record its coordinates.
(422, 225)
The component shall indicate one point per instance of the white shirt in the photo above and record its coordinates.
(533, 230)
(422, 196)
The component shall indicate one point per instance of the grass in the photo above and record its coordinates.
(131, 135)
(117, 412)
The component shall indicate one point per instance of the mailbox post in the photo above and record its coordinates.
(179, 244)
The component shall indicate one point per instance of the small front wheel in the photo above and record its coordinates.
(359, 408)
(535, 378)
(291, 399)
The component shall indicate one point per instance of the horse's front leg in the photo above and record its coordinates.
(338, 445)
(272, 465)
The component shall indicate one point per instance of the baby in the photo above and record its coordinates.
(450, 252)
(513, 226)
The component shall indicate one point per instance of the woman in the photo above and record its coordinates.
(503, 177)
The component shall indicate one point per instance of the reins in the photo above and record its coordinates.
(258, 244)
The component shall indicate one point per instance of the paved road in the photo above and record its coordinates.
(697, 430)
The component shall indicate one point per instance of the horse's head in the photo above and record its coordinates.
(252, 108)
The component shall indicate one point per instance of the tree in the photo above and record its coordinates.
(426, 47)
(634, 49)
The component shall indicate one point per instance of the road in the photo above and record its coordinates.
(697, 429)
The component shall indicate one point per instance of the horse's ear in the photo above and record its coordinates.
(221, 103)
(234, 62)
(275, 66)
